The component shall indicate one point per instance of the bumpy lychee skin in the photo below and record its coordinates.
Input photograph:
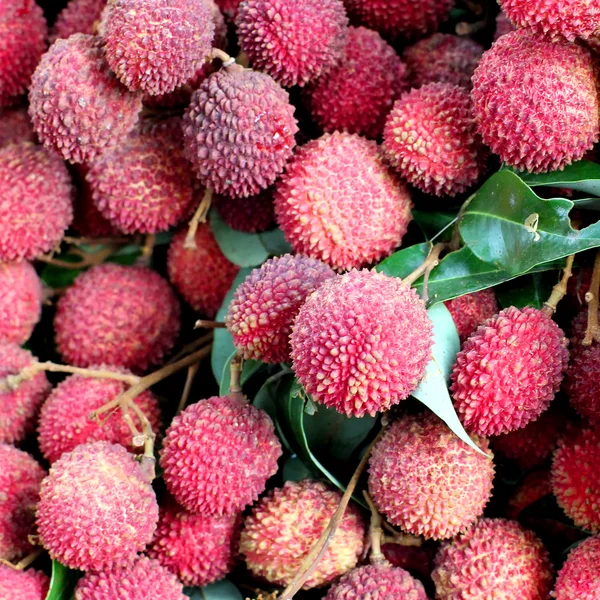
(198, 549)
(442, 58)
(64, 419)
(15, 126)
(578, 577)
(20, 301)
(338, 202)
(471, 310)
(20, 479)
(24, 585)
(431, 139)
(508, 371)
(361, 342)
(145, 578)
(202, 275)
(251, 215)
(36, 206)
(535, 486)
(248, 450)
(264, 306)
(294, 41)
(358, 92)
(19, 406)
(520, 568)
(426, 480)
(77, 106)
(574, 477)
(582, 383)
(287, 522)
(239, 131)
(117, 315)
(78, 16)
(536, 101)
(96, 511)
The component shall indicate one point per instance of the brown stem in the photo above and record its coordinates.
(242, 59)
(222, 56)
(199, 217)
(592, 332)
(25, 562)
(235, 378)
(202, 324)
(560, 289)
(88, 259)
(147, 251)
(192, 347)
(187, 388)
(402, 539)
(375, 533)
(90, 241)
(432, 260)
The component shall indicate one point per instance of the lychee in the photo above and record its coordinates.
(578, 577)
(218, 454)
(503, 25)
(285, 525)
(239, 131)
(361, 342)
(581, 382)
(24, 585)
(535, 486)
(77, 106)
(358, 92)
(536, 101)
(228, 7)
(508, 371)
(339, 202)
(15, 126)
(96, 510)
(471, 310)
(78, 16)
(117, 315)
(251, 215)
(264, 306)
(417, 560)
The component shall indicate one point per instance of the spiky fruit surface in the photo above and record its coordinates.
(287, 522)
(536, 101)
(23, 33)
(20, 479)
(328, 184)
(582, 383)
(198, 549)
(471, 310)
(78, 16)
(145, 578)
(358, 92)
(15, 126)
(117, 315)
(431, 139)
(263, 309)
(19, 406)
(508, 371)
(533, 488)
(417, 560)
(503, 25)
(20, 301)
(361, 342)
(36, 204)
(64, 419)
(426, 480)
(202, 275)
(239, 131)
(294, 41)
(252, 215)
(574, 477)
(96, 511)
(77, 106)
(24, 585)
(578, 577)
(520, 569)
(248, 450)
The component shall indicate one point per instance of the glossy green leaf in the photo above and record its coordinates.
(241, 248)
(62, 582)
(433, 223)
(221, 590)
(583, 176)
(249, 368)
(295, 470)
(529, 290)
(275, 243)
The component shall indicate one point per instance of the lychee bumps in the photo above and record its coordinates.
(471, 310)
(78, 16)
(24, 585)
(578, 578)
(361, 342)
(582, 382)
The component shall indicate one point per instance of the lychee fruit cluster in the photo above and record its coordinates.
(471, 310)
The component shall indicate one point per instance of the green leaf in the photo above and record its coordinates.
(222, 590)
(249, 368)
(241, 248)
(295, 470)
(583, 176)
(432, 223)
(62, 582)
(275, 243)
(529, 290)
(59, 277)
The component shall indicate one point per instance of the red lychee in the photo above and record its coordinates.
(78, 16)
(15, 126)
(251, 215)
(578, 577)
(471, 310)
(535, 486)
(503, 25)
(24, 585)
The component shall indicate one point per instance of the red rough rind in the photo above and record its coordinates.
(495, 558)
(208, 482)
(202, 275)
(471, 310)
(15, 126)
(578, 577)
(36, 207)
(96, 511)
(338, 202)
(361, 342)
(145, 579)
(251, 215)
(78, 16)
(117, 315)
(198, 549)
(508, 371)
(20, 301)
(426, 480)
(536, 101)
(24, 585)
(294, 41)
(431, 139)
(533, 488)
(287, 522)
(358, 92)
(239, 131)
(264, 306)
(20, 479)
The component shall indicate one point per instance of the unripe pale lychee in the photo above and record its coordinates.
(285, 525)
(24, 585)
(15, 126)
(578, 577)
(361, 342)
(471, 310)
(251, 215)
(78, 16)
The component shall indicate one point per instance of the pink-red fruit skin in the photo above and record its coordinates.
(78, 16)
(223, 436)
(264, 306)
(338, 202)
(251, 215)
(471, 310)
(96, 510)
(578, 578)
(361, 342)
(426, 480)
(508, 371)
(536, 101)
(15, 126)
(287, 522)
(24, 585)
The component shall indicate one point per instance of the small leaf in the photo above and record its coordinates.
(62, 582)
(275, 243)
(295, 470)
(222, 590)
(241, 248)
(529, 290)
(59, 277)
(249, 368)
(583, 176)
(432, 223)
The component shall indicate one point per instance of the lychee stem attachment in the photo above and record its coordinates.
(432, 261)
(24, 562)
(88, 259)
(199, 217)
(375, 533)
(147, 250)
(592, 332)
(235, 378)
(192, 347)
(560, 289)
(227, 60)
(202, 324)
